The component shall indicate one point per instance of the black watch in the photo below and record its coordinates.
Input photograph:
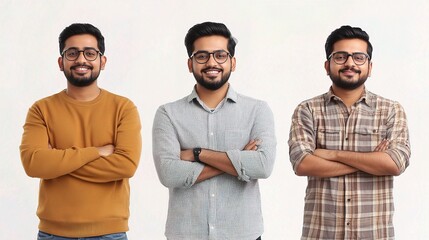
(197, 152)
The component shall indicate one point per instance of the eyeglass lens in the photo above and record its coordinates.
(73, 54)
(341, 57)
(219, 56)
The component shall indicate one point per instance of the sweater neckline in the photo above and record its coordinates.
(66, 97)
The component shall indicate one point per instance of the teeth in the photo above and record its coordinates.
(81, 68)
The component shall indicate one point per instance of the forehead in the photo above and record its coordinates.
(350, 45)
(81, 41)
(211, 43)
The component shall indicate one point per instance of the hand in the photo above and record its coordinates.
(383, 146)
(106, 150)
(252, 145)
(187, 155)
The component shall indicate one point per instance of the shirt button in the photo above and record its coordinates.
(211, 134)
(213, 195)
(348, 224)
(348, 199)
(347, 138)
(211, 227)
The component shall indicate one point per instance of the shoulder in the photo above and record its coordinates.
(46, 101)
(314, 102)
(178, 104)
(116, 99)
(250, 101)
(115, 96)
(383, 102)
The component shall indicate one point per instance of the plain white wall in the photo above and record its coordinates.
(280, 58)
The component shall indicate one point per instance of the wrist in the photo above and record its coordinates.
(196, 151)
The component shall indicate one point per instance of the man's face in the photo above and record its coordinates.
(211, 75)
(349, 75)
(81, 72)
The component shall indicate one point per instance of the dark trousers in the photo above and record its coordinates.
(259, 238)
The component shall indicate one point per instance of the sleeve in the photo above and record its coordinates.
(172, 172)
(397, 133)
(42, 162)
(126, 156)
(301, 136)
(257, 164)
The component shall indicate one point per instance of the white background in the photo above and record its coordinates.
(280, 58)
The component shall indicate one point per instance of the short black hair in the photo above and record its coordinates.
(347, 32)
(209, 29)
(78, 29)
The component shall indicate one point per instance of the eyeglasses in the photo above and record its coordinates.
(342, 57)
(72, 54)
(220, 56)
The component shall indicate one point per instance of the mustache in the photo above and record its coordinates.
(81, 65)
(350, 69)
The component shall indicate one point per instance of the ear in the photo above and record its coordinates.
(60, 63)
(190, 68)
(327, 67)
(233, 64)
(369, 68)
(103, 62)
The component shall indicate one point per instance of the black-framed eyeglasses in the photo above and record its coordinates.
(340, 58)
(72, 54)
(220, 56)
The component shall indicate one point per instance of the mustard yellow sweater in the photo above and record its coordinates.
(81, 193)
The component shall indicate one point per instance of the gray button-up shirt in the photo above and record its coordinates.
(222, 207)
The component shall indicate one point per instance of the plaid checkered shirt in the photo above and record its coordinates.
(357, 205)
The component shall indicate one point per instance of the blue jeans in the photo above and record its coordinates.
(114, 236)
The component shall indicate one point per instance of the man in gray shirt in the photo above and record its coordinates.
(211, 147)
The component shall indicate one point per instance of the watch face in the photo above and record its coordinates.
(197, 152)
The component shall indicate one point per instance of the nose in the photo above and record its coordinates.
(349, 61)
(211, 61)
(80, 58)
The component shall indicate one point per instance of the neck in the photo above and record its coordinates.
(349, 97)
(83, 94)
(212, 98)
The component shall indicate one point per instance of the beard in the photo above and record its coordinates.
(347, 84)
(209, 84)
(79, 81)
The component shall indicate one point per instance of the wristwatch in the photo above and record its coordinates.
(197, 152)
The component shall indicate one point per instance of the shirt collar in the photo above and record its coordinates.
(230, 95)
(367, 97)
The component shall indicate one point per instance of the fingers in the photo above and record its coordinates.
(253, 145)
(383, 146)
(250, 145)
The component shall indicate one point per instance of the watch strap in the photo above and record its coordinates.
(197, 152)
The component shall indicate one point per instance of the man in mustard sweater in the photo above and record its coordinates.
(84, 144)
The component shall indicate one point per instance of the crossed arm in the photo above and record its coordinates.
(93, 164)
(390, 157)
(174, 163)
(215, 163)
(331, 163)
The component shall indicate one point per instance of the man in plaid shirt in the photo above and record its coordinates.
(350, 143)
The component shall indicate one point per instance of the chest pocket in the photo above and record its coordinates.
(367, 138)
(235, 139)
(328, 138)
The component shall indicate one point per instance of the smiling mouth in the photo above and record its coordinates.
(81, 69)
(212, 72)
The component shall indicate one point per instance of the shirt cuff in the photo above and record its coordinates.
(235, 157)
